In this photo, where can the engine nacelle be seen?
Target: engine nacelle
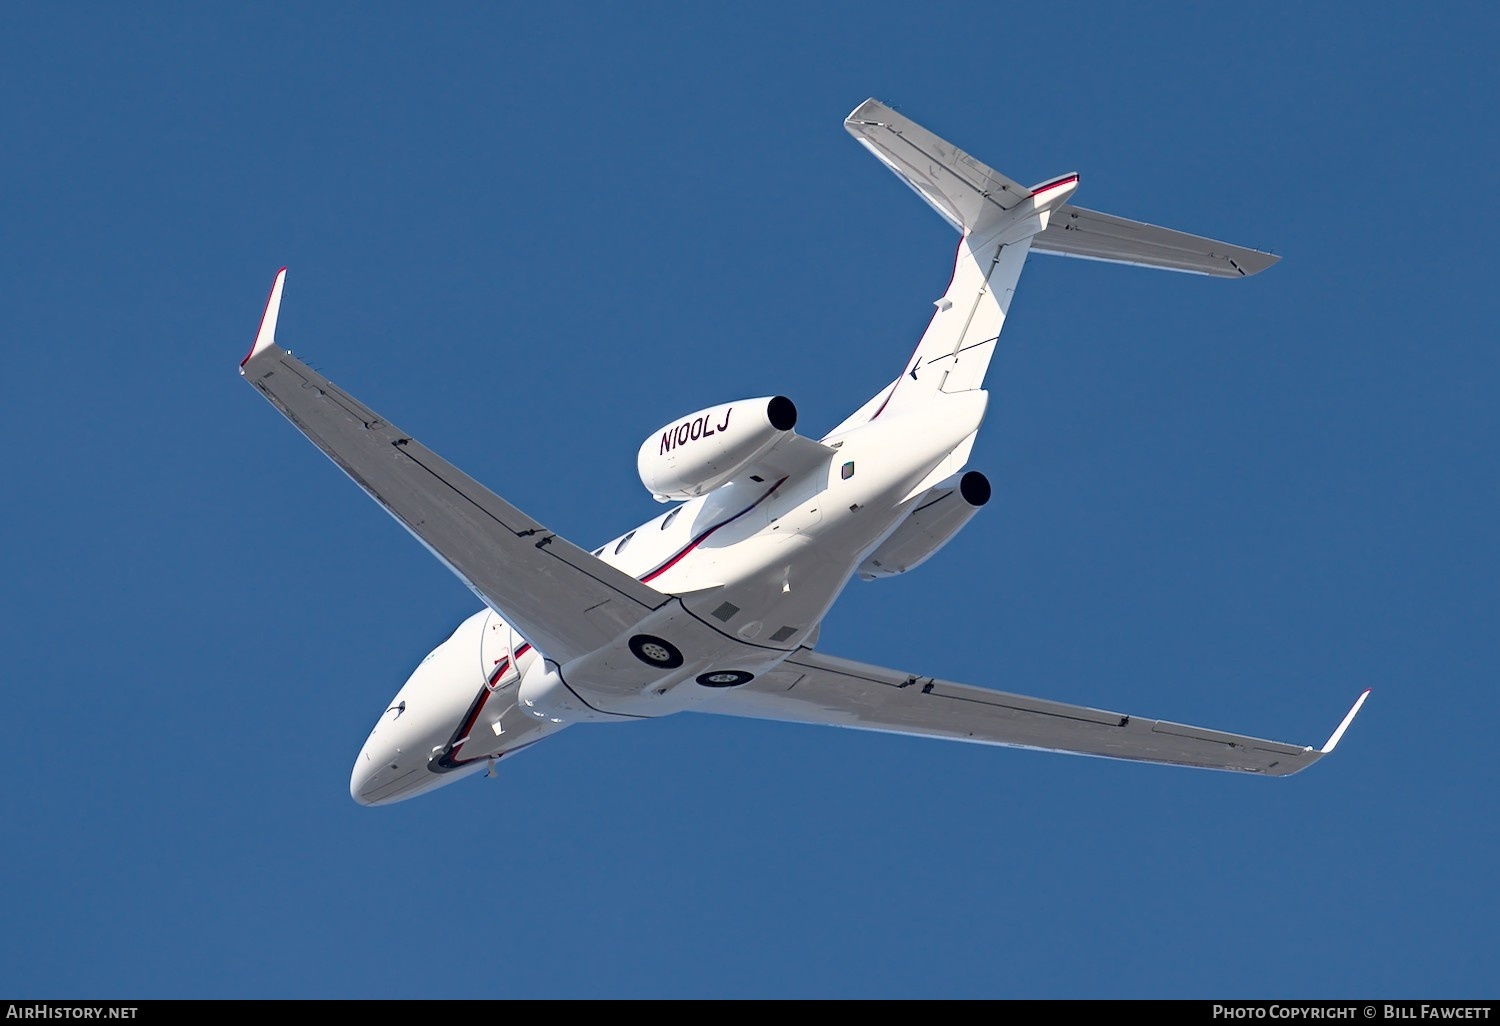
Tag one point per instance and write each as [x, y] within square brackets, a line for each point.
[929, 527]
[693, 456]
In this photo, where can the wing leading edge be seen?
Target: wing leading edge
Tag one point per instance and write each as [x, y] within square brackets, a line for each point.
[813, 688]
[563, 600]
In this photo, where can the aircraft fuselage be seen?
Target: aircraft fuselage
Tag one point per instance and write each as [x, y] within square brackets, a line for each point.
[754, 566]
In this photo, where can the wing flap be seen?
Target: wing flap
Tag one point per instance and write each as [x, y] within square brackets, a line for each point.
[811, 687]
[563, 600]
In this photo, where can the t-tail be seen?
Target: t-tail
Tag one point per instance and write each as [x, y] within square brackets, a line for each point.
[1001, 222]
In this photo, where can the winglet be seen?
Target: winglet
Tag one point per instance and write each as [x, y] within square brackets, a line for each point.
[267, 334]
[1347, 720]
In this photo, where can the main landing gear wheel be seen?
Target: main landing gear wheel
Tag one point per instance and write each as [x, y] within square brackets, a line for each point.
[725, 678]
[657, 652]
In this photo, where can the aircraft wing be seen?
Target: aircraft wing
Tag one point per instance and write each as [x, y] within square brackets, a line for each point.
[813, 688]
[563, 600]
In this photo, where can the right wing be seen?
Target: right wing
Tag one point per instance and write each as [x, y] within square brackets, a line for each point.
[563, 600]
[813, 688]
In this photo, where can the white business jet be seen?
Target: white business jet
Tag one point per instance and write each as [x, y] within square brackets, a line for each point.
[714, 606]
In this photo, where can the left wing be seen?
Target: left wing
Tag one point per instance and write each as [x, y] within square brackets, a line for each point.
[563, 600]
[813, 688]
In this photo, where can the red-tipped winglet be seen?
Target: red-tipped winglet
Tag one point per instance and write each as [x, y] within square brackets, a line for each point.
[1347, 720]
[267, 334]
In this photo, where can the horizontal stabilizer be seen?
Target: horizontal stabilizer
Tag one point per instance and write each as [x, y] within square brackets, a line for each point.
[971, 195]
[960, 188]
[1076, 232]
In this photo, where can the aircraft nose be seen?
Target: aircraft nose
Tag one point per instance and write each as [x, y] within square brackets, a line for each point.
[384, 773]
[362, 783]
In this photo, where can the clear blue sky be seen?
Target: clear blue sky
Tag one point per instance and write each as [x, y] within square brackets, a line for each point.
[529, 234]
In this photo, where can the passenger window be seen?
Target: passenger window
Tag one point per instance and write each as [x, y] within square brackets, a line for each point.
[624, 542]
[670, 517]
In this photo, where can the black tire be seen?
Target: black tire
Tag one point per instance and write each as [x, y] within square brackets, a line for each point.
[725, 678]
[657, 652]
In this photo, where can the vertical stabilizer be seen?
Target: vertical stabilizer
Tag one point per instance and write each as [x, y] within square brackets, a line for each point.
[997, 217]
[1001, 221]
